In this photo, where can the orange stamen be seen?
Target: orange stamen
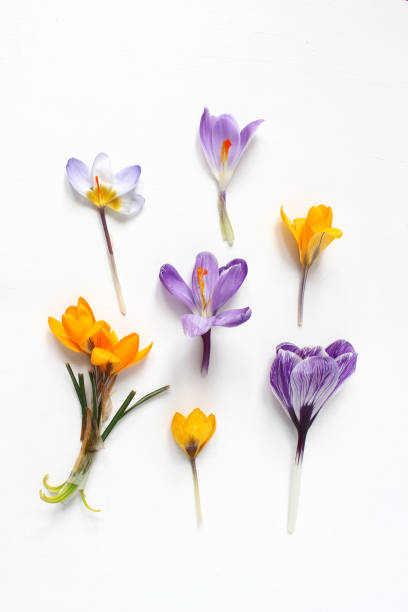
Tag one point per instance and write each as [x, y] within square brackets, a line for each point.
[200, 273]
[99, 189]
[224, 150]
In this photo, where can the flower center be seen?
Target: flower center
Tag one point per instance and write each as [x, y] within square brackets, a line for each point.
[225, 150]
[200, 273]
[101, 195]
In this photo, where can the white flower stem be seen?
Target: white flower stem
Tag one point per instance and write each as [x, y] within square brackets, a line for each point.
[294, 495]
[112, 262]
[197, 492]
[226, 227]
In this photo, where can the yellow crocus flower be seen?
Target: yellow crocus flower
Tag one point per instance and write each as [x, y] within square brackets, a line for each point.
[192, 433]
[312, 234]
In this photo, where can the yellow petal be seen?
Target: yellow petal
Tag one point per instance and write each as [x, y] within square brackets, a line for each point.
[58, 330]
[101, 357]
[319, 218]
[177, 428]
[87, 341]
[127, 348]
[74, 329]
[116, 204]
[83, 302]
[319, 242]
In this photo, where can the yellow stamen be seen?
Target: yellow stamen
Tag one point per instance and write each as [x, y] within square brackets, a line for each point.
[86, 503]
[225, 150]
[200, 273]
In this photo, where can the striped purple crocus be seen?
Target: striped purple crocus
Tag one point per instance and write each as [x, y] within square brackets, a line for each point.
[223, 145]
[211, 288]
[303, 379]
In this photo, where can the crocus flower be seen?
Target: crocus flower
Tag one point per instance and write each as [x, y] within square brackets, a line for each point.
[79, 331]
[312, 235]
[211, 288]
[105, 189]
[303, 379]
[192, 434]
[223, 145]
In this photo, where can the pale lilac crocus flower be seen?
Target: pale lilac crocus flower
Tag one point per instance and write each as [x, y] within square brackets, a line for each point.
[211, 288]
[223, 145]
[303, 379]
[104, 189]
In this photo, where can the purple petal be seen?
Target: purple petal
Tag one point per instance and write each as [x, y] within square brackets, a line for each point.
[347, 365]
[207, 262]
[175, 285]
[287, 346]
[125, 180]
[281, 369]
[247, 133]
[102, 168]
[311, 351]
[231, 278]
[225, 128]
[206, 127]
[232, 318]
[194, 325]
[79, 176]
[312, 382]
[339, 347]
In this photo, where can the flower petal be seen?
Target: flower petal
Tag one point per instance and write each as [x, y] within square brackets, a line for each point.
[129, 204]
[126, 350]
[231, 278]
[281, 370]
[172, 281]
[247, 133]
[347, 365]
[194, 325]
[287, 346]
[206, 127]
[225, 128]
[232, 318]
[312, 382]
[311, 351]
[125, 180]
[339, 347]
[209, 265]
[79, 176]
[319, 242]
[59, 332]
[102, 168]
[101, 357]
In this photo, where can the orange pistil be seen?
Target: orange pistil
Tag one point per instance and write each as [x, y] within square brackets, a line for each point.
[99, 189]
[200, 273]
[225, 150]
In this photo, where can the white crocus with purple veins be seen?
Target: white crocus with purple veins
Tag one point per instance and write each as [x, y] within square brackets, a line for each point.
[211, 288]
[223, 145]
[104, 188]
[303, 379]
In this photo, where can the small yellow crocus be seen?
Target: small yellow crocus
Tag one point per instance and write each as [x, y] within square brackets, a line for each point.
[313, 234]
[192, 433]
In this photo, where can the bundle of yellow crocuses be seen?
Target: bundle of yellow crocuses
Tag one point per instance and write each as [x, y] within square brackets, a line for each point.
[79, 331]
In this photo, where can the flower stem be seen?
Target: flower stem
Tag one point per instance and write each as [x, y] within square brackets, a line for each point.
[206, 352]
[294, 494]
[302, 294]
[112, 261]
[197, 492]
[226, 227]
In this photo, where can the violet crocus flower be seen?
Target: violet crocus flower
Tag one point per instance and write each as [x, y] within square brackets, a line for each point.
[223, 145]
[303, 379]
[211, 288]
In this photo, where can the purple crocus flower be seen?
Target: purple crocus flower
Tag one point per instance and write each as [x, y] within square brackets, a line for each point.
[223, 145]
[211, 288]
[303, 379]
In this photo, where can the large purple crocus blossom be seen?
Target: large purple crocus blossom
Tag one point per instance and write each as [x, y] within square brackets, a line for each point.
[223, 145]
[211, 288]
[303, 379]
